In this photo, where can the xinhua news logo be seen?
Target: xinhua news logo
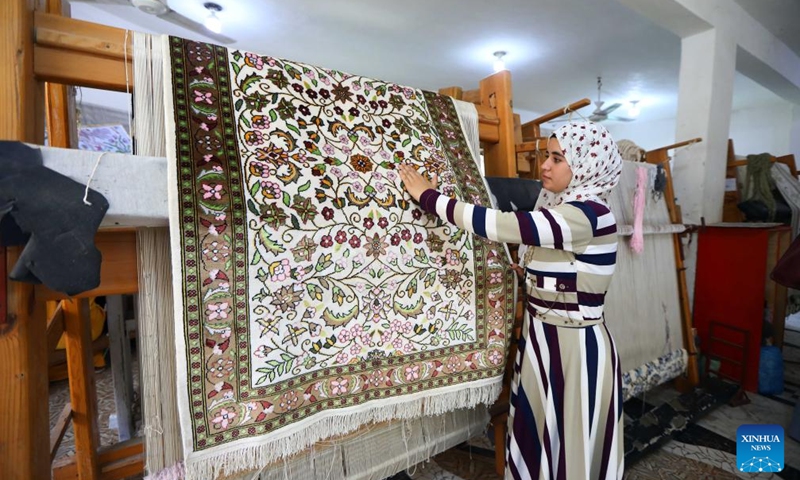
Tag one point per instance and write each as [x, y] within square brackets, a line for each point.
[759, 448]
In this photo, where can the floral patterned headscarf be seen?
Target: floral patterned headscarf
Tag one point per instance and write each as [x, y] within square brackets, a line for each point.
[594, 159]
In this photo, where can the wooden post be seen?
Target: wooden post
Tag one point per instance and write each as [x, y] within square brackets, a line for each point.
[24, 434]
[82, 392]
[60, 102]
[730, 211]
[455, 92]
[500, 158]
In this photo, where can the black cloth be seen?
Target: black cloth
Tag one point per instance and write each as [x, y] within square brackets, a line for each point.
[757, 211]
[44, 211]
[514, 194]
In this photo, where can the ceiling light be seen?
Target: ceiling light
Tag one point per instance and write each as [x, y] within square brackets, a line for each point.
[499, 64]
[212, 22]
[633, 111]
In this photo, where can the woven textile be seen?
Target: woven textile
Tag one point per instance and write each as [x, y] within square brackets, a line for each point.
[312, 295]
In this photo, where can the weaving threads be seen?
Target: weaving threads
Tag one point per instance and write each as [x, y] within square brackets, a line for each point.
[155, 300]
[127, 80]
[468, 116]
[630, 151]
[789, 187]
[641, 337]
[637, 241]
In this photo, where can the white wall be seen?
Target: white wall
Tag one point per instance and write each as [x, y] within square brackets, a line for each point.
[772, 128]
[648, 135]
[764, 129]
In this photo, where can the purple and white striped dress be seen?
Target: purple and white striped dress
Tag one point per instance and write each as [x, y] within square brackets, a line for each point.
[566, 406]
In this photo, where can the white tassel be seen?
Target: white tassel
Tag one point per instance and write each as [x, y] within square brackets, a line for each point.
[263, 451]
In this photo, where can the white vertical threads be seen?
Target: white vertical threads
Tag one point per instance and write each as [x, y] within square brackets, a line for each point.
[156, 306]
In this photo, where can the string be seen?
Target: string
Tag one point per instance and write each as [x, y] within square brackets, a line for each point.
[333, 462]
[91, 176]
[127, 81]
[157, 429]
[578, 113]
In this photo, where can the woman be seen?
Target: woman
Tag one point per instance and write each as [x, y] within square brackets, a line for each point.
[565, 420]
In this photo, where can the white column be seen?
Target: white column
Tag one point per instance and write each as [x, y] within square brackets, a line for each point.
[708, 65]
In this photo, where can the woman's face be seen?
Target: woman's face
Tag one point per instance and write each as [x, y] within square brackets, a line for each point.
[556, 173]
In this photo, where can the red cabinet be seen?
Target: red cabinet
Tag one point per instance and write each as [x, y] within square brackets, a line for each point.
[731, 287]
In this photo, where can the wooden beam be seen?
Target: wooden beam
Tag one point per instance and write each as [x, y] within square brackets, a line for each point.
[572, 107]
[118, 461]
[496, 93]
[60, 107]
[488, 133]
[57, 362]
[682, 144]
[471, 96]
[59, 32]
[540, 144]
[23, 366]
[55, 328]
[82, 392]
[70, 67]
[118, 272]
[454, 92]
[789, 161]
[59, 429]
[66, 49]
[731, 197]
[487, 115]
[488, 122]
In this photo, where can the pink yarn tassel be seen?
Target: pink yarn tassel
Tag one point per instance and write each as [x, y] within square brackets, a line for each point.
[637, 241]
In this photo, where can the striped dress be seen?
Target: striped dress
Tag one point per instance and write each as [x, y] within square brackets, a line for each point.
[565, 420]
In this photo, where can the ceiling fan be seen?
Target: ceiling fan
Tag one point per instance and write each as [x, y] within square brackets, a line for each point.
[160, 9]
[599, 114]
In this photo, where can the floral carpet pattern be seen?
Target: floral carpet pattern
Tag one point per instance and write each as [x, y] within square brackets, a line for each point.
[106, 138]
[314, 292]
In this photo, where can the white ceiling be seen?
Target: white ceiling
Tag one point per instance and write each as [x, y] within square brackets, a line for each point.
[781, 17]
[556, 48]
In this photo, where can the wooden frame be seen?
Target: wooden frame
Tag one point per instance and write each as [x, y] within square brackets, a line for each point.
[730, 210]
[39, 47]
[660, 157]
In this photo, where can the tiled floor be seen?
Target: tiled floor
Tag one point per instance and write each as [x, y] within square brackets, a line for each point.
[59, 396]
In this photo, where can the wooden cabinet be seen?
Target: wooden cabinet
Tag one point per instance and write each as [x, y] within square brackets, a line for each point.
[732, 287]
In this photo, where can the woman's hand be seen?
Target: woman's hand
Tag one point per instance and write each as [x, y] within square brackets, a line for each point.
[415, 183]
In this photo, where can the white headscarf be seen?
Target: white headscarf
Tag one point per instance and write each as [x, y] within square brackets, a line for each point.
[596, 167]
[595, 162]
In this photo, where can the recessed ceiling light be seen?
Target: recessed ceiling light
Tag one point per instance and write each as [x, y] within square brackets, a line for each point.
[212, 22]
[499, 63]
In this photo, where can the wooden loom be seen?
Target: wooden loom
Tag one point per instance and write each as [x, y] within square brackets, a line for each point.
[39, 47]
[730, 210]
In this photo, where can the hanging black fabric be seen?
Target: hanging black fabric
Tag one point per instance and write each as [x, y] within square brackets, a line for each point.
[514, 194]
[45, 211]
